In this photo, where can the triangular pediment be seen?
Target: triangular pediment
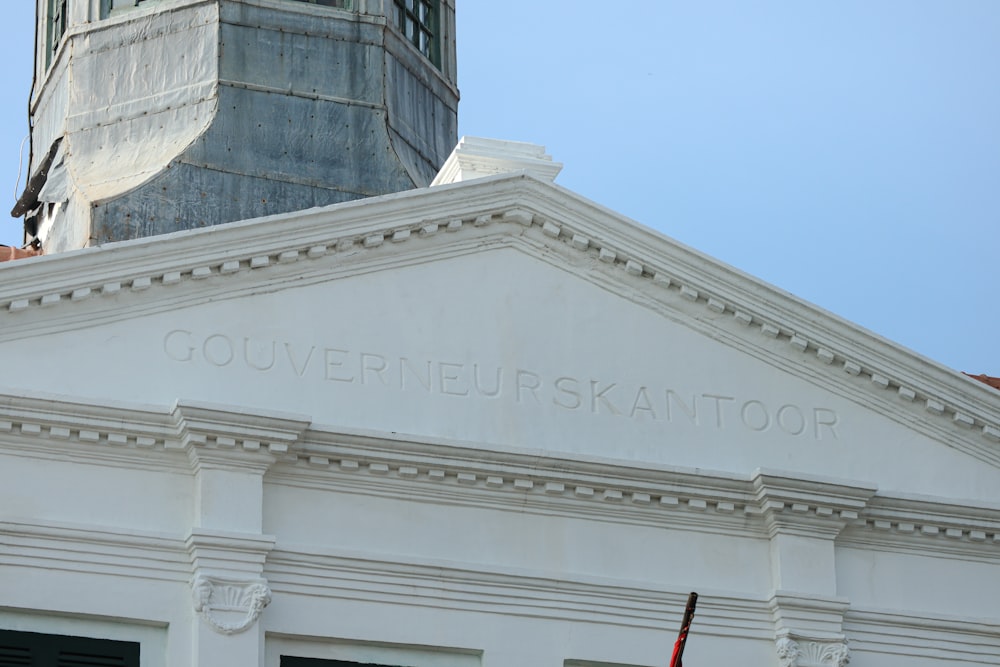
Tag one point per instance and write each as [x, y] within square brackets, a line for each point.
[506, 312]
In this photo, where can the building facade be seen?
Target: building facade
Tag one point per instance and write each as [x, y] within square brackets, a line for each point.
[482, 423]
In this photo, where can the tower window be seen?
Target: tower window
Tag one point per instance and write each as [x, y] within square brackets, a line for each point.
[56, 27]
[418, 21]
[340, 4]
[108, 5]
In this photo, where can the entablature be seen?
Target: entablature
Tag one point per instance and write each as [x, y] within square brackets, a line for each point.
[290, 451]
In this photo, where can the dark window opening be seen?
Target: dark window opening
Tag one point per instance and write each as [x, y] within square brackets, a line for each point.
[290, 661]
[108, 5]
[419, 21]
[33, 649]
[340, 4]
[56, 28]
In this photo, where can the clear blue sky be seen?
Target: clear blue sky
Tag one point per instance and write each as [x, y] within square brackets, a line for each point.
[847, 152]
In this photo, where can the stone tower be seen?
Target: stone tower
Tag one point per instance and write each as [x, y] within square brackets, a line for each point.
[152, 116]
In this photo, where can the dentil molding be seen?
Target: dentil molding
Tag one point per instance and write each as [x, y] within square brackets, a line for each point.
[932, 399]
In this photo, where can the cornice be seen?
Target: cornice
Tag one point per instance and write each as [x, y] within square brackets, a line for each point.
[213, 552]
[804, 506]
[113, 433]
[927, 526]
[293, 569]
[947, 639]
[223, 437]
[296, 453]
[188, 437]
[659, 498]
[80, 288]
[93, 549]
[301, 570]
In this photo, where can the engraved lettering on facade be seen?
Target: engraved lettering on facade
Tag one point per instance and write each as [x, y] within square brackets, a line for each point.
[600, 396]
[408, 368]
[603, 398]
[218, 350]
[452, 382]
[526, 380]
[177, 345]
[373, 365]
[290, 350]
[479, 388]
[567, 393]
[258, 351]
[334, 360]
[791, 420]
[719, 422]
[754, 416]
[691, 412]
[642, 405]
[827, 418]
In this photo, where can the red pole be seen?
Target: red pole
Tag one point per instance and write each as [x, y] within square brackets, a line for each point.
[675, 659]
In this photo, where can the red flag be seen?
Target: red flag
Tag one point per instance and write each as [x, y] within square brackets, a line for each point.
[675, 659]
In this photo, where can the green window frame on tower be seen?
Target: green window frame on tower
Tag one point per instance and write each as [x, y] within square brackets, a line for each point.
[420, 21]
[108, 5]
[339, 4]
[56, 27]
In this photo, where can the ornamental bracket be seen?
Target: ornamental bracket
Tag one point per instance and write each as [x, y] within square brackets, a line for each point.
[230, 606]
[796, 651]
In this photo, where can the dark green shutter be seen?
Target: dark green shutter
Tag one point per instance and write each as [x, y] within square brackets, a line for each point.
[289, 661]
[33, 649]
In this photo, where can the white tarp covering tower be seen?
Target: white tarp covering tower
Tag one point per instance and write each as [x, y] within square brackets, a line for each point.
[154, 116]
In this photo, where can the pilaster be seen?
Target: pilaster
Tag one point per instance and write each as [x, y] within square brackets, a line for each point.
[803, 517]
[229, 453]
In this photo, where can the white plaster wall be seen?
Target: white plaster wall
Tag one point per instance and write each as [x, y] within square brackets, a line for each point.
[49, 599]
[919, 582]
[73, 492]
[338, 350]
[541, 542]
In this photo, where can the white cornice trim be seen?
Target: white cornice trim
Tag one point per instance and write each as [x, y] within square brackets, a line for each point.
[296, 453]
[295, 569]
[302, 570]
[969, 531]
[39, 294]
[947, 639]
[93, 549]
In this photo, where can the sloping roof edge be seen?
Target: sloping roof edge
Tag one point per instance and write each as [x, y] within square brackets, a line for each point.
[847, 351]
[986, 379]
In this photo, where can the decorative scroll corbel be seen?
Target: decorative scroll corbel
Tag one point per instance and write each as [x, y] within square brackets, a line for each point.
[228, 605]
[811, 653]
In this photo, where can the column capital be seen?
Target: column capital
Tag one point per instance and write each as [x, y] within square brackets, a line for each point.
[798, 651]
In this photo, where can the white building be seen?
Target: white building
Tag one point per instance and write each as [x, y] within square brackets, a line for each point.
[483, 423]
